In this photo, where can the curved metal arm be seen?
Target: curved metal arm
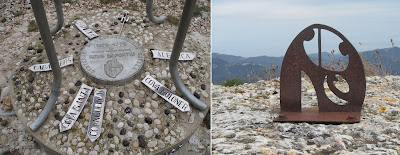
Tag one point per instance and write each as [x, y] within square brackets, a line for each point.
[60, 17]
[173, 62]
[149, 11]
[41, 20]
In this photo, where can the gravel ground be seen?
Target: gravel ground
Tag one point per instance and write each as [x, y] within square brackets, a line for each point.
[242, 121]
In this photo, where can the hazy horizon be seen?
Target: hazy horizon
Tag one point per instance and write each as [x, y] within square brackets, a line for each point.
[266, 28]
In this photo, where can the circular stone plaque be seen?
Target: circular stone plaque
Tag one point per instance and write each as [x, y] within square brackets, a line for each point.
[111, 60]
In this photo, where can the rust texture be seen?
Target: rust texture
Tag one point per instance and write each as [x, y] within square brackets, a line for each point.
[297, 60]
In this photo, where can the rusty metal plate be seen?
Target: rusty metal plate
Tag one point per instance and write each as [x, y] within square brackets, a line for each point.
[313, 115]
[296, 60]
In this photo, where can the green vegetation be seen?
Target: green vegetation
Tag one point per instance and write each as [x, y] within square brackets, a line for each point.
[143, 1]
[107, 1]
[173, 20]
[132, 6]
[197, 10]
[32, 26]
[232, 82]
[66, 1]
[207, 120]
[18, 13]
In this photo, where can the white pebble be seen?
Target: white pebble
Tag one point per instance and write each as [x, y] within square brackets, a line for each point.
[154, 104]
[148, 133]
[120, 125]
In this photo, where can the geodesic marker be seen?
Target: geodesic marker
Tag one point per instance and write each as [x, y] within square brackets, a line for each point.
[296, 60]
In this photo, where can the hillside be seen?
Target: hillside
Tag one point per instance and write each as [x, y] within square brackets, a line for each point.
[229, 66]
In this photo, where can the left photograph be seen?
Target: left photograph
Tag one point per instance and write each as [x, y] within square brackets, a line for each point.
[105, 77]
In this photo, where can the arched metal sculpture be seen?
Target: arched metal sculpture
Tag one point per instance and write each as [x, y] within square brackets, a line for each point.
[41, 20]
[149, 12]
[296, 60]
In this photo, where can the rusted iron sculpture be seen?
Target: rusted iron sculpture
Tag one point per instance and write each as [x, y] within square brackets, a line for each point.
[297, 60]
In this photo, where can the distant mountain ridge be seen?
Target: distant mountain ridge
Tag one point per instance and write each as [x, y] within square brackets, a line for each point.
[228, 66]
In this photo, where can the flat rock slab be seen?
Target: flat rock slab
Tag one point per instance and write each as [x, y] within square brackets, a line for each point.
[129, 107]
[243, 121]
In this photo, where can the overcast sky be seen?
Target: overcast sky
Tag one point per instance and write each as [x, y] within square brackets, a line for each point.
[267, 27]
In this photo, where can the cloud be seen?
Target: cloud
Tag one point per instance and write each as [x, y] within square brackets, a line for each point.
[290, 9]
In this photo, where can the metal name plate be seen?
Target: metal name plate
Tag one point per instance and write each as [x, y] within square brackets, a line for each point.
[47, 66]
[111, 60]
[96, 115]
[76, 108]
[85, 29]
[166, 94]
[167, 55]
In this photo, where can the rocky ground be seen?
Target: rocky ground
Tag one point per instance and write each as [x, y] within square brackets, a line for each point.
[242, 121]
[15, 38]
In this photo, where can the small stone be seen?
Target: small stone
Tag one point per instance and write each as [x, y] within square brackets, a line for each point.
[158, 136]
[148, 111]
[142, 142]
[191, 119]
[39, 50]
[69, 151]
[128, 110]
[152, 144]
[78, 83]
[197, 95]
[71, 91]
[203, 86]
[157, 121]
[128, 101]
[129, 123]
[154, 104]
[123, 131]
[77, 35]
[125, 143]
[135, 144]
[193, 75]
[148, 133]
[120, 125]
[80, 144]
[31, 79]
[120, 101]
[161, 144]
[110, 135]
[115, 120]
[148, 120]
[121, 94]
[30, 89]
[167, 111]
[132, 95]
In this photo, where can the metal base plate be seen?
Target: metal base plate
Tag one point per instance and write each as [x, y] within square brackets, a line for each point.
[312, 115]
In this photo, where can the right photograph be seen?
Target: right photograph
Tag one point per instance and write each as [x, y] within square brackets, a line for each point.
[305, 77]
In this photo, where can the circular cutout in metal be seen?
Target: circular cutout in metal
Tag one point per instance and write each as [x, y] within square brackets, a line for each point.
[111, 60]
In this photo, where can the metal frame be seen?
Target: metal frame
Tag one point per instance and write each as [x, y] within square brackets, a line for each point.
[149, 12]
[41, 20]
[60, 17]
[176, 51]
